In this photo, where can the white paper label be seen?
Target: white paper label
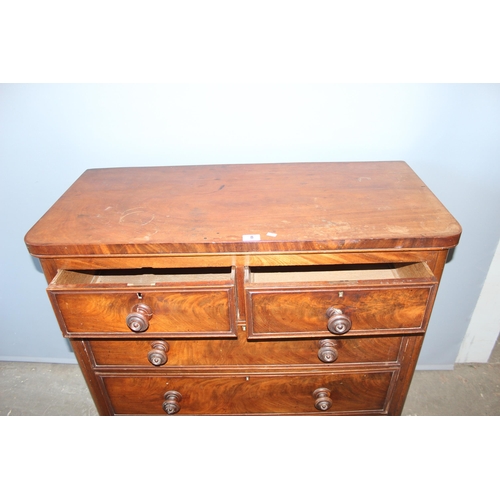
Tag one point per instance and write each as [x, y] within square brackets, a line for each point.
[251, 237]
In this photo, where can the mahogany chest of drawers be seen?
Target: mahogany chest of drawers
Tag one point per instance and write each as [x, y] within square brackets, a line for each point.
[284, 289]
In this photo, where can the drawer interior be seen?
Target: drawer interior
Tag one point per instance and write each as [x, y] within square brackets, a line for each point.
[144, 276]
[336, 273]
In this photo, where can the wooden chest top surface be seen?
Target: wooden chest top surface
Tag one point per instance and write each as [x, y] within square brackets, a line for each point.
[244, 208]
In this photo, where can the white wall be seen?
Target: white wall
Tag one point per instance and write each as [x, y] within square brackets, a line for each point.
[484, 326]
[449, 134]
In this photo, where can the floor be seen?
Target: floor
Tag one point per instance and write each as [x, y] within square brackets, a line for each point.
[35, 389]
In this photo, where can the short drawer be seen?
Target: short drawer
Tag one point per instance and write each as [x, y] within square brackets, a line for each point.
[324, 304]
[119, 305]
[238, 394]
[163, 354]
[289, 313]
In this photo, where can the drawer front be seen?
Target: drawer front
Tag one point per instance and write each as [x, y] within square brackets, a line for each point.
[346, 393]
[370, 311]
[162, 355]
[201, 312]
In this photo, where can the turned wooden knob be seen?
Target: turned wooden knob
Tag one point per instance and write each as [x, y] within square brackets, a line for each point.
[323, 401]
[138, 319]
[327, 352]
[171, 403]
[158, 354]
[338, 323]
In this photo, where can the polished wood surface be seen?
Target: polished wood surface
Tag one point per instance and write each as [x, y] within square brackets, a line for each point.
[292, 313]
[291, 207]
[274, 289]
[238, 394]
[240, 352]
[186, 313]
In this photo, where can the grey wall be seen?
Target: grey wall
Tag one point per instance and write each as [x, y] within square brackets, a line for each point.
[449, 134]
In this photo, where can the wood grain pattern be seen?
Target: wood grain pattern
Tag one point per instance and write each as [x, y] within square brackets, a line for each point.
[239, 352]
[191, 313]
[243, 394]
[247, 259]
[309, 206]
[292, 313]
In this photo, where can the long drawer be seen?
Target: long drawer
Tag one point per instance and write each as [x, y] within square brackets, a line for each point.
[91, 304]
[163, 354]
[237, 394]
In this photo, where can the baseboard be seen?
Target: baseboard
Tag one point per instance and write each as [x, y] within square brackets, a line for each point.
[434, 367]
[21, 359]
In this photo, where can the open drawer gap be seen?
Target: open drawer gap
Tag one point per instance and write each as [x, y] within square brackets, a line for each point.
[144, 276]
[336, 273]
